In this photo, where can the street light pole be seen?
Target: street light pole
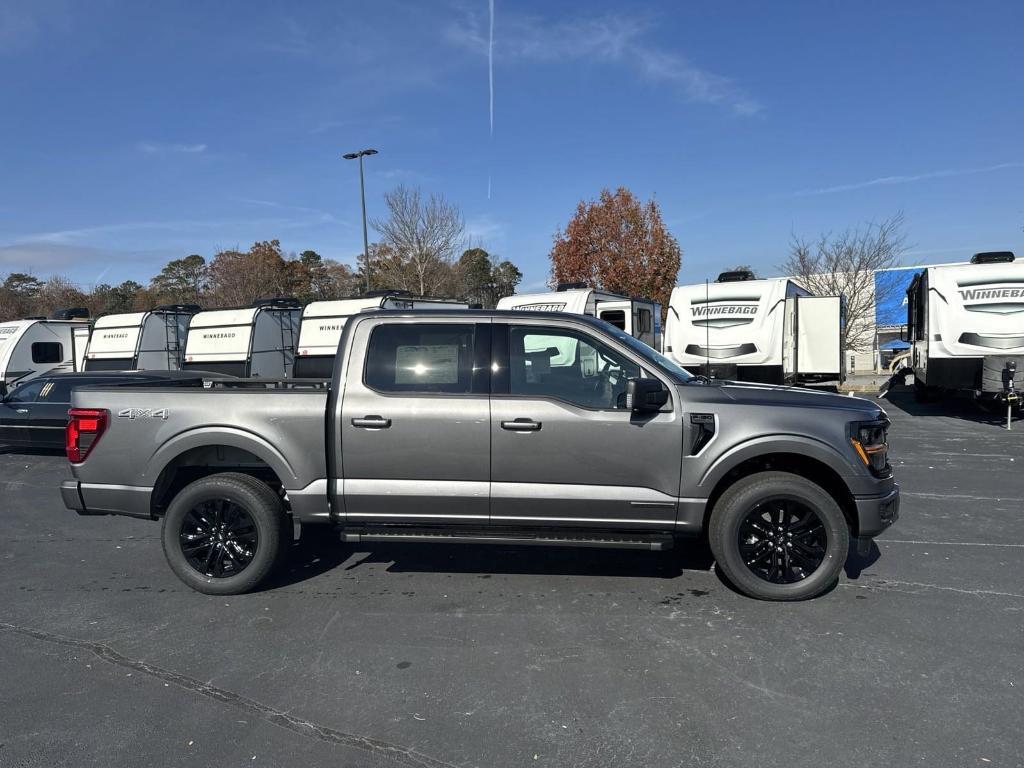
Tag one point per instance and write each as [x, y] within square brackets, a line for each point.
[362, 198]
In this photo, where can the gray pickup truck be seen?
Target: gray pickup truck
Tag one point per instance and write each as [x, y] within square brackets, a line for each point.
[490, 427]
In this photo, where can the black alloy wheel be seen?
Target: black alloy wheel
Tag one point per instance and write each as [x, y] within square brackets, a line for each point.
[218, 538]
[782, 540]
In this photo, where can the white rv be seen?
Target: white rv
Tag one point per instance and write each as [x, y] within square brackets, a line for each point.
[257, 341]
[640, 318]
[323, 321]
[966, 324]
[140, 341]
[771, 331]
[37, 345]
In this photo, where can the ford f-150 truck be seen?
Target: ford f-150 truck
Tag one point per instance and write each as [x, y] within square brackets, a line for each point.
[489, 426]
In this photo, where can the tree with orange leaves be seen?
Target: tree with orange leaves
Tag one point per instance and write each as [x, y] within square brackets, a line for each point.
[618, 244]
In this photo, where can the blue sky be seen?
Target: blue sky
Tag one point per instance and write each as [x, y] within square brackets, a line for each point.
[135, 132]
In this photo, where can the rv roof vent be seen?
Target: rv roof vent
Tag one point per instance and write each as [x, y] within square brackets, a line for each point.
[736, 276]
[193, 308]
[73, 313]
[571, 286]
[378, 292]
[277, 301]
[992, 257]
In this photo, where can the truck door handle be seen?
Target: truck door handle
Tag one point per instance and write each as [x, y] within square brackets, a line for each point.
[21, 410]
[521, 425]
[372, 422]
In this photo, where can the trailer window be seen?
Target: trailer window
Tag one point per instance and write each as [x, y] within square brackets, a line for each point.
[616, 317]
[644, 321]
[427, 359]
[47, 352]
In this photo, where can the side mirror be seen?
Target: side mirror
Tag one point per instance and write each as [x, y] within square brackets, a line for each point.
[645, 395]
[3, 390]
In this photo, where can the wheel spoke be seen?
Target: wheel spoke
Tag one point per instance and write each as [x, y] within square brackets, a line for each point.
[782, 540]
[218, 538]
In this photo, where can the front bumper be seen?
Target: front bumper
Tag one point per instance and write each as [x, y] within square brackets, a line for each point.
[876, 513]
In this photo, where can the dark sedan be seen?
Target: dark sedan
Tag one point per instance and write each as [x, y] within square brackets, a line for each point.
[34, 414]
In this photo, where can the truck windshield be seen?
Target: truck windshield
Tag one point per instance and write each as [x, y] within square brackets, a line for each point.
[667, 365]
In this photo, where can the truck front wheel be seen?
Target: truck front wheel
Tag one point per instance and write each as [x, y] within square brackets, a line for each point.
[223, 534]
[779, 536]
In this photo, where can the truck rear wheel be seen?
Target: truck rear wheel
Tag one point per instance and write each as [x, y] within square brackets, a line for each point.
[779, 536]
[223, 534]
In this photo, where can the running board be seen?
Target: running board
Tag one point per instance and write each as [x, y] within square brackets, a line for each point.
[604, 541]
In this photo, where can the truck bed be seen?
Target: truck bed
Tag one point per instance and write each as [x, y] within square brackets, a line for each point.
[155, 432]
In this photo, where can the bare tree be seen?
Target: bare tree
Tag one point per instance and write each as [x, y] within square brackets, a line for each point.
[846, 264]
[422, 238]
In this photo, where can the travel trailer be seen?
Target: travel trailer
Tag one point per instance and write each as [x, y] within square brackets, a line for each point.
[966, 326]
[37, 345]
[640, 318]
[323, 321]
[257, 341]
[771, 331]
[140, 341]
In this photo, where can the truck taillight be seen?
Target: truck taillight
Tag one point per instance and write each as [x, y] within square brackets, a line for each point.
[85, 426]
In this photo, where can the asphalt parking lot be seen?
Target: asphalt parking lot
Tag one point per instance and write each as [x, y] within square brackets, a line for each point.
[461, 656]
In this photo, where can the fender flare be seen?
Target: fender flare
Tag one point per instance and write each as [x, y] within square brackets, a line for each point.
[233, 437]
[768, 444]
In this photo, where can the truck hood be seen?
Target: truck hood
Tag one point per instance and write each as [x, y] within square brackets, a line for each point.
[767, 394]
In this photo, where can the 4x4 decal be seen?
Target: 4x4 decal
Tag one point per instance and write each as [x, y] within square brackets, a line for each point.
[142, 413]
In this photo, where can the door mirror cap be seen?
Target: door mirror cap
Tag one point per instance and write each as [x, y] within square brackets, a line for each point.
[645, 395]
[3, 390]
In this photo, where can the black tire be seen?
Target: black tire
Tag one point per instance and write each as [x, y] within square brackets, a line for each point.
[736, 535]
[241, 501]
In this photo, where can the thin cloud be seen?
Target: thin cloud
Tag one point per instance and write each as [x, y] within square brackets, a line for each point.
[312, 218]
[323, 215]
[161, 148]
[484, 229]
[885, 181]
[623, 40]
[24, 22]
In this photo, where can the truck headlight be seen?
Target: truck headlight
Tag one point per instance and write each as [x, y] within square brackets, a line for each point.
[869, 440]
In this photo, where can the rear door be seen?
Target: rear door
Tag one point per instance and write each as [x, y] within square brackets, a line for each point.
[49, 413]
[414, 424]
[16, 410]
[565, 449]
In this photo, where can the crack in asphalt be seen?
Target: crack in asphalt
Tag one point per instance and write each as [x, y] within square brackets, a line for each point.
[307, 728]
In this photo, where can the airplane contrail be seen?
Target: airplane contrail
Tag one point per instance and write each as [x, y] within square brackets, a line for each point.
[490, 83]
[490, 65]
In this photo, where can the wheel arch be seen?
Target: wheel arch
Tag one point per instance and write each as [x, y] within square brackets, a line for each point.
[199, 454]
[811, 465]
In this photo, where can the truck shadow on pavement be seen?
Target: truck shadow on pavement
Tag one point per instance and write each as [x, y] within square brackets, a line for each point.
[313, 556]
[901, 398]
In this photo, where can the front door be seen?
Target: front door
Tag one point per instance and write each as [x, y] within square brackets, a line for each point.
[414, 427]
[15, 411]
[565, 449]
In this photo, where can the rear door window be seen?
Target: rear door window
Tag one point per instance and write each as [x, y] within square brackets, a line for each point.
[420, 358]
